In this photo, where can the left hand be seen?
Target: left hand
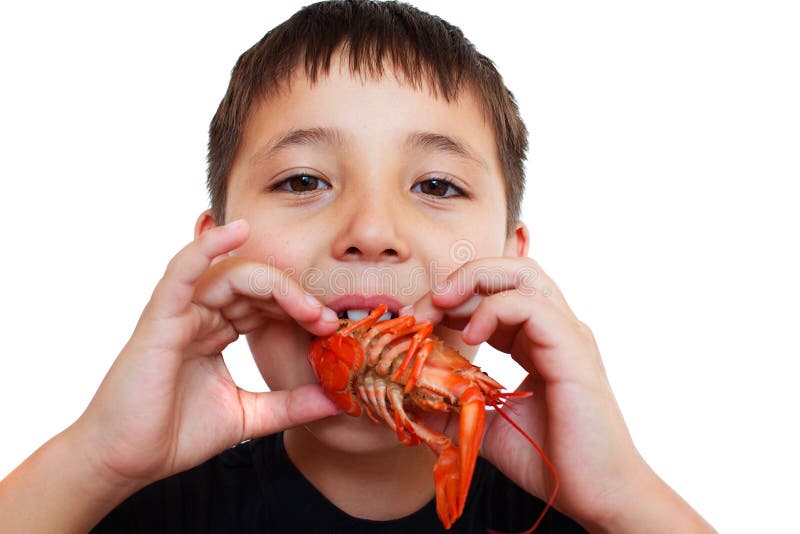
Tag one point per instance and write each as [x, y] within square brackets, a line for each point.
[515, 307]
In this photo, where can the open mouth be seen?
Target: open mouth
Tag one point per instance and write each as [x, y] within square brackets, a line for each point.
[357, 315]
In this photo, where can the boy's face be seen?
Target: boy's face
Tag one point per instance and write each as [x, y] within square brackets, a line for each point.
[364, 188]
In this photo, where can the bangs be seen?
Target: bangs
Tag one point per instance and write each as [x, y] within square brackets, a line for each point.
[372, 38]
[421, 50]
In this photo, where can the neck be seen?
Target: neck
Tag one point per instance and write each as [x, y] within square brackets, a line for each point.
[402, 476]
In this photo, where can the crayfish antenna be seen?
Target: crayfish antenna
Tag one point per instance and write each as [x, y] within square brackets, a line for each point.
[505, 396]
[546, 460]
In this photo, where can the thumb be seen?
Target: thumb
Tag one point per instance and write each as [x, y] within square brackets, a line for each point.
[274, 411]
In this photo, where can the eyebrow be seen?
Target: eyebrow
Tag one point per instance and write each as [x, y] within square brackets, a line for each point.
[301, 137]
[443, 143]
[333, 137]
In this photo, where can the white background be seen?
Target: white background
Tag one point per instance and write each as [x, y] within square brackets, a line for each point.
[662, 197]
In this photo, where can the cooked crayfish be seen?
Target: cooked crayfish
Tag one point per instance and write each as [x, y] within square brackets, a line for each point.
[386, 368]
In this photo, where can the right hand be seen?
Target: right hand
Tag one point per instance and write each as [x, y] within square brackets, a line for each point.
[168, 402]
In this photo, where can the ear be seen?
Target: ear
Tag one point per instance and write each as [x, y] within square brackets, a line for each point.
[517, 243]
[204, 222]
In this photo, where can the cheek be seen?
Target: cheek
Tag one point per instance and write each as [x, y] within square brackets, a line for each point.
[486, 231]
[279, 248]
[460, 249]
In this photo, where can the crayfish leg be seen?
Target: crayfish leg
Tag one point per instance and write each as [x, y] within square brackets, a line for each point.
[422, 356]
[424, 330]
[388, 357]
[364, 394]
[366, 322]
[407, 430]
[385, 332]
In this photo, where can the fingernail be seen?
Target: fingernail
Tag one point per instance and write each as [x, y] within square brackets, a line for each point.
[312, 301]
[407, 310]
[440, 287]
[329, 315]
[334, 409]
[234, 224]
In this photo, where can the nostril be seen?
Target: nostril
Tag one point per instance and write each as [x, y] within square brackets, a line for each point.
[354, 252]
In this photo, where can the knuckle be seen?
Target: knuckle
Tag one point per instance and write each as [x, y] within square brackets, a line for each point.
[584, 330]
[261, 280]
[173, 265]
[527, 274]
[530, 264]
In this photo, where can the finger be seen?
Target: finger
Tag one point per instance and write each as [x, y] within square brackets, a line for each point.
[554, 339]
[511, 309]
[175, 289]
[458, 296]
[275, 411]
[456, 317]
[248, 323]
[487, 276]
[268, 289]
[238, 308]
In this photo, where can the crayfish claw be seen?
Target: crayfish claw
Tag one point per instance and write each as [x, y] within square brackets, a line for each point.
[446, 476]
[453, 470]
[470, 433]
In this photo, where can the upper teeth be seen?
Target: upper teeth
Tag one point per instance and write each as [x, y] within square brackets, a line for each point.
[357, 315]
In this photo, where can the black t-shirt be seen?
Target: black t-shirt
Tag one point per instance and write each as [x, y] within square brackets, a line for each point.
[254, 487]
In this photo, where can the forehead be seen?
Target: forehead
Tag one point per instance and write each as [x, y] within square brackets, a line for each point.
[371, 112]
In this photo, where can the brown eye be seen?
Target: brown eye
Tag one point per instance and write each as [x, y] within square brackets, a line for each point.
[302, 183]
[438, 188]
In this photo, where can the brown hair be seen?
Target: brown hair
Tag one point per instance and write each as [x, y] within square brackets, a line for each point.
[421, 47]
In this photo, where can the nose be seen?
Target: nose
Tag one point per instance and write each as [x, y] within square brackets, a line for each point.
[371, 231]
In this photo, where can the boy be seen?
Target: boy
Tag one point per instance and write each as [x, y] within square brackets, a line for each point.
[355, 138]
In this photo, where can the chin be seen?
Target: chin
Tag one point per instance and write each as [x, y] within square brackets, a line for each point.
[354, 435]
